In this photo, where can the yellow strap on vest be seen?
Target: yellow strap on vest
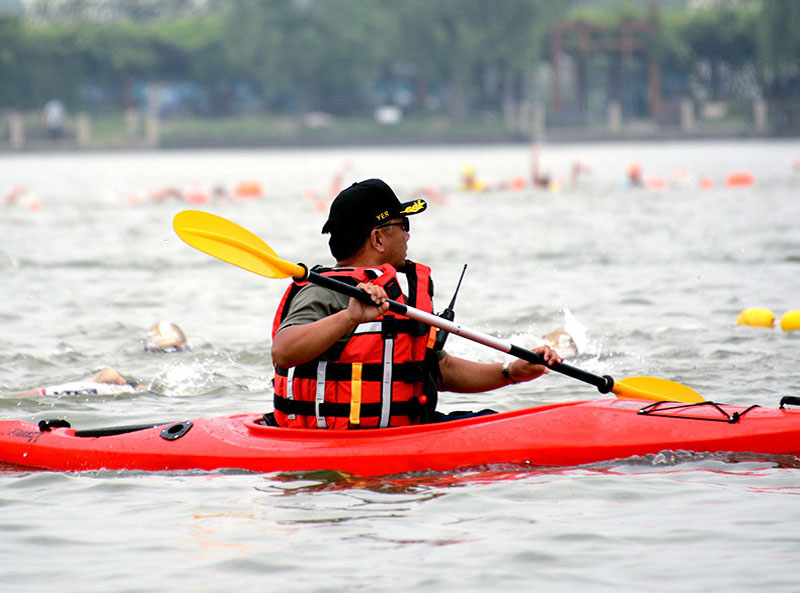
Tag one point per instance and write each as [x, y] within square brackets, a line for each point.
[355, 394]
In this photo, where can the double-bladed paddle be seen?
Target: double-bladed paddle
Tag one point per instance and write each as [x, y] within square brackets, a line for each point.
[234, 244]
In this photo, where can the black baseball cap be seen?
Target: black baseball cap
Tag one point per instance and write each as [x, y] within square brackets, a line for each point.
[365, 205]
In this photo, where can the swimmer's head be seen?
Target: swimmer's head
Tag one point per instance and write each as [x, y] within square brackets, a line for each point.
[560, 341]
[165, 336]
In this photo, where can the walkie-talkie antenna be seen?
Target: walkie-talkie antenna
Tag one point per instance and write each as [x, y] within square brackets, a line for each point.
[449, 314]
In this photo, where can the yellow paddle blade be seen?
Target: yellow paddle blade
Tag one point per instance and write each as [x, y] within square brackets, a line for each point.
[655, 389]
[229, 242]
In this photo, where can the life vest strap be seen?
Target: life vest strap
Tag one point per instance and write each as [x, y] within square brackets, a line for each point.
[355, 397]
[393, 326]
[319, 395]
[386, 381]
[407, 372]
[290, 388]
[411, 408]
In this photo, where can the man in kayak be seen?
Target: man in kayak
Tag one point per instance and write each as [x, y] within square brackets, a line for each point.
[340, 363]
[163, 337]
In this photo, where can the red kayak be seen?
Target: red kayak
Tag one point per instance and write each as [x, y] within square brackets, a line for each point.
[566, 434]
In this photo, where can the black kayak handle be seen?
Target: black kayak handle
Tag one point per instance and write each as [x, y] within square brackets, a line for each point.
[791, 400]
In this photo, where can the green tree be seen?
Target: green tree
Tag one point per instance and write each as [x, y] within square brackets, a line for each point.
[723, 40]
[193, 49]
[307, 55]
[255, 39]
[779, 46]
[12, 56]
[467, 45]
[338, 52]
[115, 55]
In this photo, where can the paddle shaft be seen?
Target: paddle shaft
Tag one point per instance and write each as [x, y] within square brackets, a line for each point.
[604, 384]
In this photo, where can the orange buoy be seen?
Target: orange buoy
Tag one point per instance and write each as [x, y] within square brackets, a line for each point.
[516, 183]
[706, 183]
[740, 178]
[196, 195]
[248, 190]
[655, 183]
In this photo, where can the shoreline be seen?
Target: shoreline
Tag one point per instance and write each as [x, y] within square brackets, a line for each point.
[400, 140]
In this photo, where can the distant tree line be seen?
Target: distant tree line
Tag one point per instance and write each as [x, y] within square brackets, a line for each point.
[347, 56]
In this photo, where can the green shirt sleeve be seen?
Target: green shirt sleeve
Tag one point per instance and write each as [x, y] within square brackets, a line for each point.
[313, 303]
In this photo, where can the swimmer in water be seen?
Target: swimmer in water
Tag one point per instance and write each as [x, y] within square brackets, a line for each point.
[635, 175]
[561, 341]
[163, 337]
[470, 181]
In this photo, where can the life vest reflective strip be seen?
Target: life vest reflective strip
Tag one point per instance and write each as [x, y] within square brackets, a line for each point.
[376, 378]
[386, 384]
[290, 389]
[355, 396]
[320, 393]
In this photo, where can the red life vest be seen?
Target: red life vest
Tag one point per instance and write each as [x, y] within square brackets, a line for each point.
[377, 378]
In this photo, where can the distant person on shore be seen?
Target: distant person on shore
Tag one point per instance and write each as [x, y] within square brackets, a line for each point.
[163, 337]
[54, 115]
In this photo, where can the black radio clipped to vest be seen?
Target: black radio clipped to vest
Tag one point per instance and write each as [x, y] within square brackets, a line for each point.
[449, 314]
[393, 290]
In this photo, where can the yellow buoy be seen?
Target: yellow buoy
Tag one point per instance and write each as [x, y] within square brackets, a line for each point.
[757, 317]
[790, 320]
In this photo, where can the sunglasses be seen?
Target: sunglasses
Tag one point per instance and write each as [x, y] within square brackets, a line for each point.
[403, 223]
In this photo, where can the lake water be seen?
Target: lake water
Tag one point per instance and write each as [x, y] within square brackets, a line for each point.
[648, 281]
